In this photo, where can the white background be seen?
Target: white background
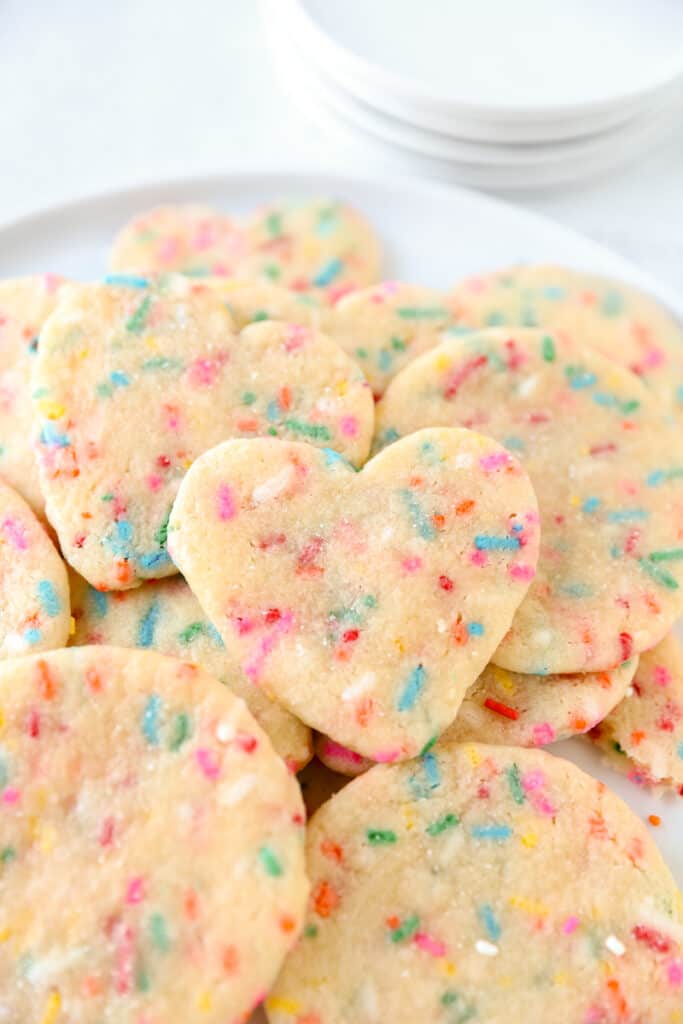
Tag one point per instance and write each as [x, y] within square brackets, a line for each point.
[103, 95]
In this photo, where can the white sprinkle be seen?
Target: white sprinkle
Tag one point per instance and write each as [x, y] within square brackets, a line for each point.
[543, 637]
[273, 486]
[387, 533]
[528, 386]
[486, 948]
[615, 946]
[441, 625]
[363, 683]
[14, 643]
[233, 794]
[225, 731]
[463, 460]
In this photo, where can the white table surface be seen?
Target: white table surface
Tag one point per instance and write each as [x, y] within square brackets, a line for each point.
[98, 96]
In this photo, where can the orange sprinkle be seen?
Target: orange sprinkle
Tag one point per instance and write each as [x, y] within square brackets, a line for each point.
[459, 632]
[579, 724]
[122, 570]
[287, 924]
[654, 819]
[439, 520]
[331, 850]
[285, 398]
[325, 899]
[93, 680]
[638, 736]
[247, 425]
[47, 686]
[190, 905]
[464, 507]
[230, 959]
[92, 986]
[364, 710]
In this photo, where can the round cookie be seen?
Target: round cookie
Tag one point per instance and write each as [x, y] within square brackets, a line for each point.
[34, 590]
[644, 733]
[165, 616]
[133, 383]
[320, 246]
[608, 472]
[142, 785]
[359, 601]
[191, 239]
[488, 884]
[614, 318]
[515, 710]
[386, 326]
[250, 302]
[25, 304]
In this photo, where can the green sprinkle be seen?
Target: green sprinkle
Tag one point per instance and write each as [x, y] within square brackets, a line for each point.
[362, 353]
[272, 271]
[270, 862]
[515, 784]
[182, 730]
[370, 601]
[136, 323]
[107, 497]
[272, 431]
[659, 575]
[159, 933]
[406, 930]
[398, 344]
[316, 431]
[617, 747]
[670, 555]
[190, 632]
[161, 363]
[142, 982]
[311, 931]
[421, 312]
[161, 536]
[259, 316]
[380, 836]
[548, 349]
[248, 398]
[428, 746]
[7, 854]
[274, 224]
[442, 825]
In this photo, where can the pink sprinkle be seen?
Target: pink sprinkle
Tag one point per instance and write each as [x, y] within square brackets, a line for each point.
[675, 972]
[496, 460]
[349, 426]
[135, 893]
[519, 571]
[205, 236]
[203, 372]
[11, 796]
[570, 925]
[428, 944]
[208, 762]
[533, 780]
[168, 250]
[51, 282]
[543, 733]
[154, 482]
[479, 558]
[661, 675]
[476, 285]
[226, 503]
[296, 337]
[16, 533]
[386, 756]
[333, 749]
[412, 564]
[254, 666]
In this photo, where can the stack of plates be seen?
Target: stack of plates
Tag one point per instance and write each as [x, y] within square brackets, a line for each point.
[488, 93]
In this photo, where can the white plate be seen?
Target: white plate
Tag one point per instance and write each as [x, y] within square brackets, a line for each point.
[526, 61]
[433, 234]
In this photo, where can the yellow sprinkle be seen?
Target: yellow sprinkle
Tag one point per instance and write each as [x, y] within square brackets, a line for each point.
[342, 387]
[529, 906]
[530, 839]
[561, 978]
[5, 934]
[187, 463]
[52, 410]
[283, 1004]
[72, 626]
[574, 500]
[505, 981]
[442, 362]
[47, 839]
[504, 680]
[399, 643]
[473, 754]
[151, 342]
[2, 718]
[448, 968]
[83, 354]
[205, 1002]
[52, 1007]
[408, 816]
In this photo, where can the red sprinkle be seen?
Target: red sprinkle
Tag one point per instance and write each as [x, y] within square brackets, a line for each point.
[626, 642]
[652, 938]
[445, 583]
[501, 709]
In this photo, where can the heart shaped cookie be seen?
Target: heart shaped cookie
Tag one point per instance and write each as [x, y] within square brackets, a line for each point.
[366, 604]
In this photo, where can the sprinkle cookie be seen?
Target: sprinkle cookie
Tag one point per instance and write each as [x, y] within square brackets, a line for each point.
[360, 602]
[608, 473]
[644, 733]
[614, 318]
[25, 303]
[249, 302]
[516, 710]
[141, 784]
[166, 617]
[320, 246]
[190, 239]
[135, 379]
[386, 326]
[34, 590]
[484, 884]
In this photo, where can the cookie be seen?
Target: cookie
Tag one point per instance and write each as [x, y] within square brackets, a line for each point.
[320, 246]
[515, 710]
[165, 616]
[608, 472]
[386, 326]
[644, 733]
[190, 239]
[488, 884]
[133, 382]
[614, 318]
[25, 304]
[34, 590]
[360, 601]
[250, 302]
[142, 785]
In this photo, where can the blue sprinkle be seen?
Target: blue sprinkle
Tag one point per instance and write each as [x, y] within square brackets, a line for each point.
[576, 590]
[333, 458]
[213, 633]
[328, 273]
[680, 750]
[50, 435]
[488, 919]
[495, 319]
[119, 379]
[154, 558]
[412, 689]
[497, 832]
[384, 359]
[150, 719]
[49, 599]
[100, 600]
[515, 444]
[655, 478]
[32, 635]
[431, 767]
[475, 629]
[421, 523]
[679, 393]
[582, 379]
[124, 530]
[627, 515]
[273, 411]
[554, 291]
[147, 626]
[591, 504]
[126, 280]
[487, 542]
[612, 304]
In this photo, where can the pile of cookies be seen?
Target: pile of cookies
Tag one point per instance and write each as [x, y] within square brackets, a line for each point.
[421, 535]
